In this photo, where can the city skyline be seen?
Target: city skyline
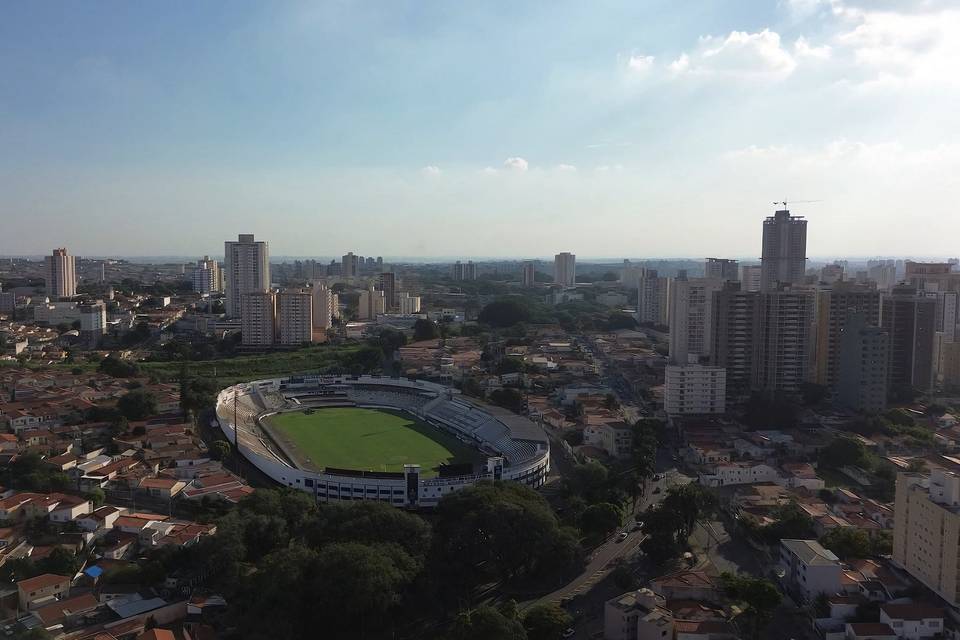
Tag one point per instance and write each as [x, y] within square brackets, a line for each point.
[466, 131]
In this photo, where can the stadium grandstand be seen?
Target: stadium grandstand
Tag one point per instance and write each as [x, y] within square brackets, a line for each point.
[511, 447]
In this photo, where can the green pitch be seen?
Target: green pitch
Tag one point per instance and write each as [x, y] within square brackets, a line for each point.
[369, 440]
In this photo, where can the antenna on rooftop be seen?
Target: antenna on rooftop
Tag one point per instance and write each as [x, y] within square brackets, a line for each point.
[785, 203]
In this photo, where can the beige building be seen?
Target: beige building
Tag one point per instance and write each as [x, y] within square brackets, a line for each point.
[372, 304]
[691, 318]
[926, 530]
[565, 269]
[61, 275]
[695, 390]
[207, 277]
[258, 323]
[294, 317]
[408, 304]
[835, 305]
[326, 306]
[246, 266]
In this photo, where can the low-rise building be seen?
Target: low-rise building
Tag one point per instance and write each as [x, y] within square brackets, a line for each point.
[637, 615]
[913, 621]
[41, 590]
[809, 569]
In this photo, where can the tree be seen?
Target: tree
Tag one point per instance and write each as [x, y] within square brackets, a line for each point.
[600, 519]
[847, 543]
[791, 522]
[370, 523]
[220, 450]
[60, 562]
[96, 497]
[812, 393]
[424, 329]
[759, 597]
[197, 394]
[486, 623]
[138, 404]
[619, 320]
[118, 368]
[504, 313]
[546, 622]
[842, 452]
[508, 398]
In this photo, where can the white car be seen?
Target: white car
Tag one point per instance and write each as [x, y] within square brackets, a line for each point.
[569, 633]
[621, 536]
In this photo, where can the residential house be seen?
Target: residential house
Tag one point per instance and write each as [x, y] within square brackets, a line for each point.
[869, 631]
[913, 621]
[637, 615]
[41, 590]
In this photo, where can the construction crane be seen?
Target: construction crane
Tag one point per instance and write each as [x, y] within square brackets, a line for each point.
[785, 202]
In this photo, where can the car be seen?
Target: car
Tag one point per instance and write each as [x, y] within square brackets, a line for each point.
[622, 536]
[569, 633]
[637, 526]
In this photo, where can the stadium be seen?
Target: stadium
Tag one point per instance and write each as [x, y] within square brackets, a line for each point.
[405, 442]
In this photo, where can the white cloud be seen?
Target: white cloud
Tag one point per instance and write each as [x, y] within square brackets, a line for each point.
[516, 163]
[430, 170]
[740, 54]
[489, 171]
[566, 168]
[640, 64]
[803, 49]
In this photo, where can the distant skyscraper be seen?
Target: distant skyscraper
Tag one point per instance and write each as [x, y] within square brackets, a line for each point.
[388, 284]
[61, 276]
[206, 276]
[691, 318]
[750, 275]
[246, 270]
[722, 268]
[409, 304]
[528, 273]
[784, 255]
[565, 269]
[350, 265]
[294, 317]
[864, 352]
[911, 321]
[461, 271]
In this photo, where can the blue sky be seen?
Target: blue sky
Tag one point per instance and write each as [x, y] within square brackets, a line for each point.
[498, 129]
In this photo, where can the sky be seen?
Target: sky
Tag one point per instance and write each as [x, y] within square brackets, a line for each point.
[614, 128]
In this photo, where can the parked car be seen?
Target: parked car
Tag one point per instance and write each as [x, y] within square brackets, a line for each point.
[622, 536]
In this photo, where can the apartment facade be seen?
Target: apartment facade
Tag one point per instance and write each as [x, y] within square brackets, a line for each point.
[783, 258]
[910, 319]
[258, 322]
[294, 317]
[695, 390]
[206, 277]
[784, 340]
[528, 274]
[326, 306]
[835, 305]
[246, 268]
[691, 319]
[61, 275]
[863, 362]
[565, 269]
[722, 269]
[926, 530]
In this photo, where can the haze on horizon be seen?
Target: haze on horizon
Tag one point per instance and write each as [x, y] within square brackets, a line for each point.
[489, 129]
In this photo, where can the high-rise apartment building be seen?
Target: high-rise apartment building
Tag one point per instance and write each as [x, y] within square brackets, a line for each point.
[294, 317]
[61, 275]
[735, 330]
[93, 323]
[350, 265]
[883, 272]
[246, 266]
[258, 318]
[750, 276]
[783, 259]
[371, 304]
[409, 304]
[461, 271]
[784, 344]
[863, 353]
[835, 304]
[326, 306]
[721, 268]
[695, 390]
[206, 276]
[653, 298]
[831, 273]
[691, 318]
[388, 284]
[565, 269]
[926, 530]
[911, 321]
[932, 276]
[528, 273]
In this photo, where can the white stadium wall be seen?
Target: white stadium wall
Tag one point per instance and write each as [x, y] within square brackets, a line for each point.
[517, 449]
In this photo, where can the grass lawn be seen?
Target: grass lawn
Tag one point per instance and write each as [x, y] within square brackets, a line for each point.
[370, 440]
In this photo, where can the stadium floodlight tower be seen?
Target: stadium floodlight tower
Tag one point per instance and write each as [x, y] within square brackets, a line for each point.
[412, 474]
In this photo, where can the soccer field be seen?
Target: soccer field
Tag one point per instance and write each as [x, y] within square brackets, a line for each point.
[369, 440]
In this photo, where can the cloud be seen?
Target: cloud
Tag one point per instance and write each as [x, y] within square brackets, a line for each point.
[890, 156]
[516, 163]
[431, 170]
[739, 54]
[568, 168]
[803, 49]
[640, 64]
[489, 171]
